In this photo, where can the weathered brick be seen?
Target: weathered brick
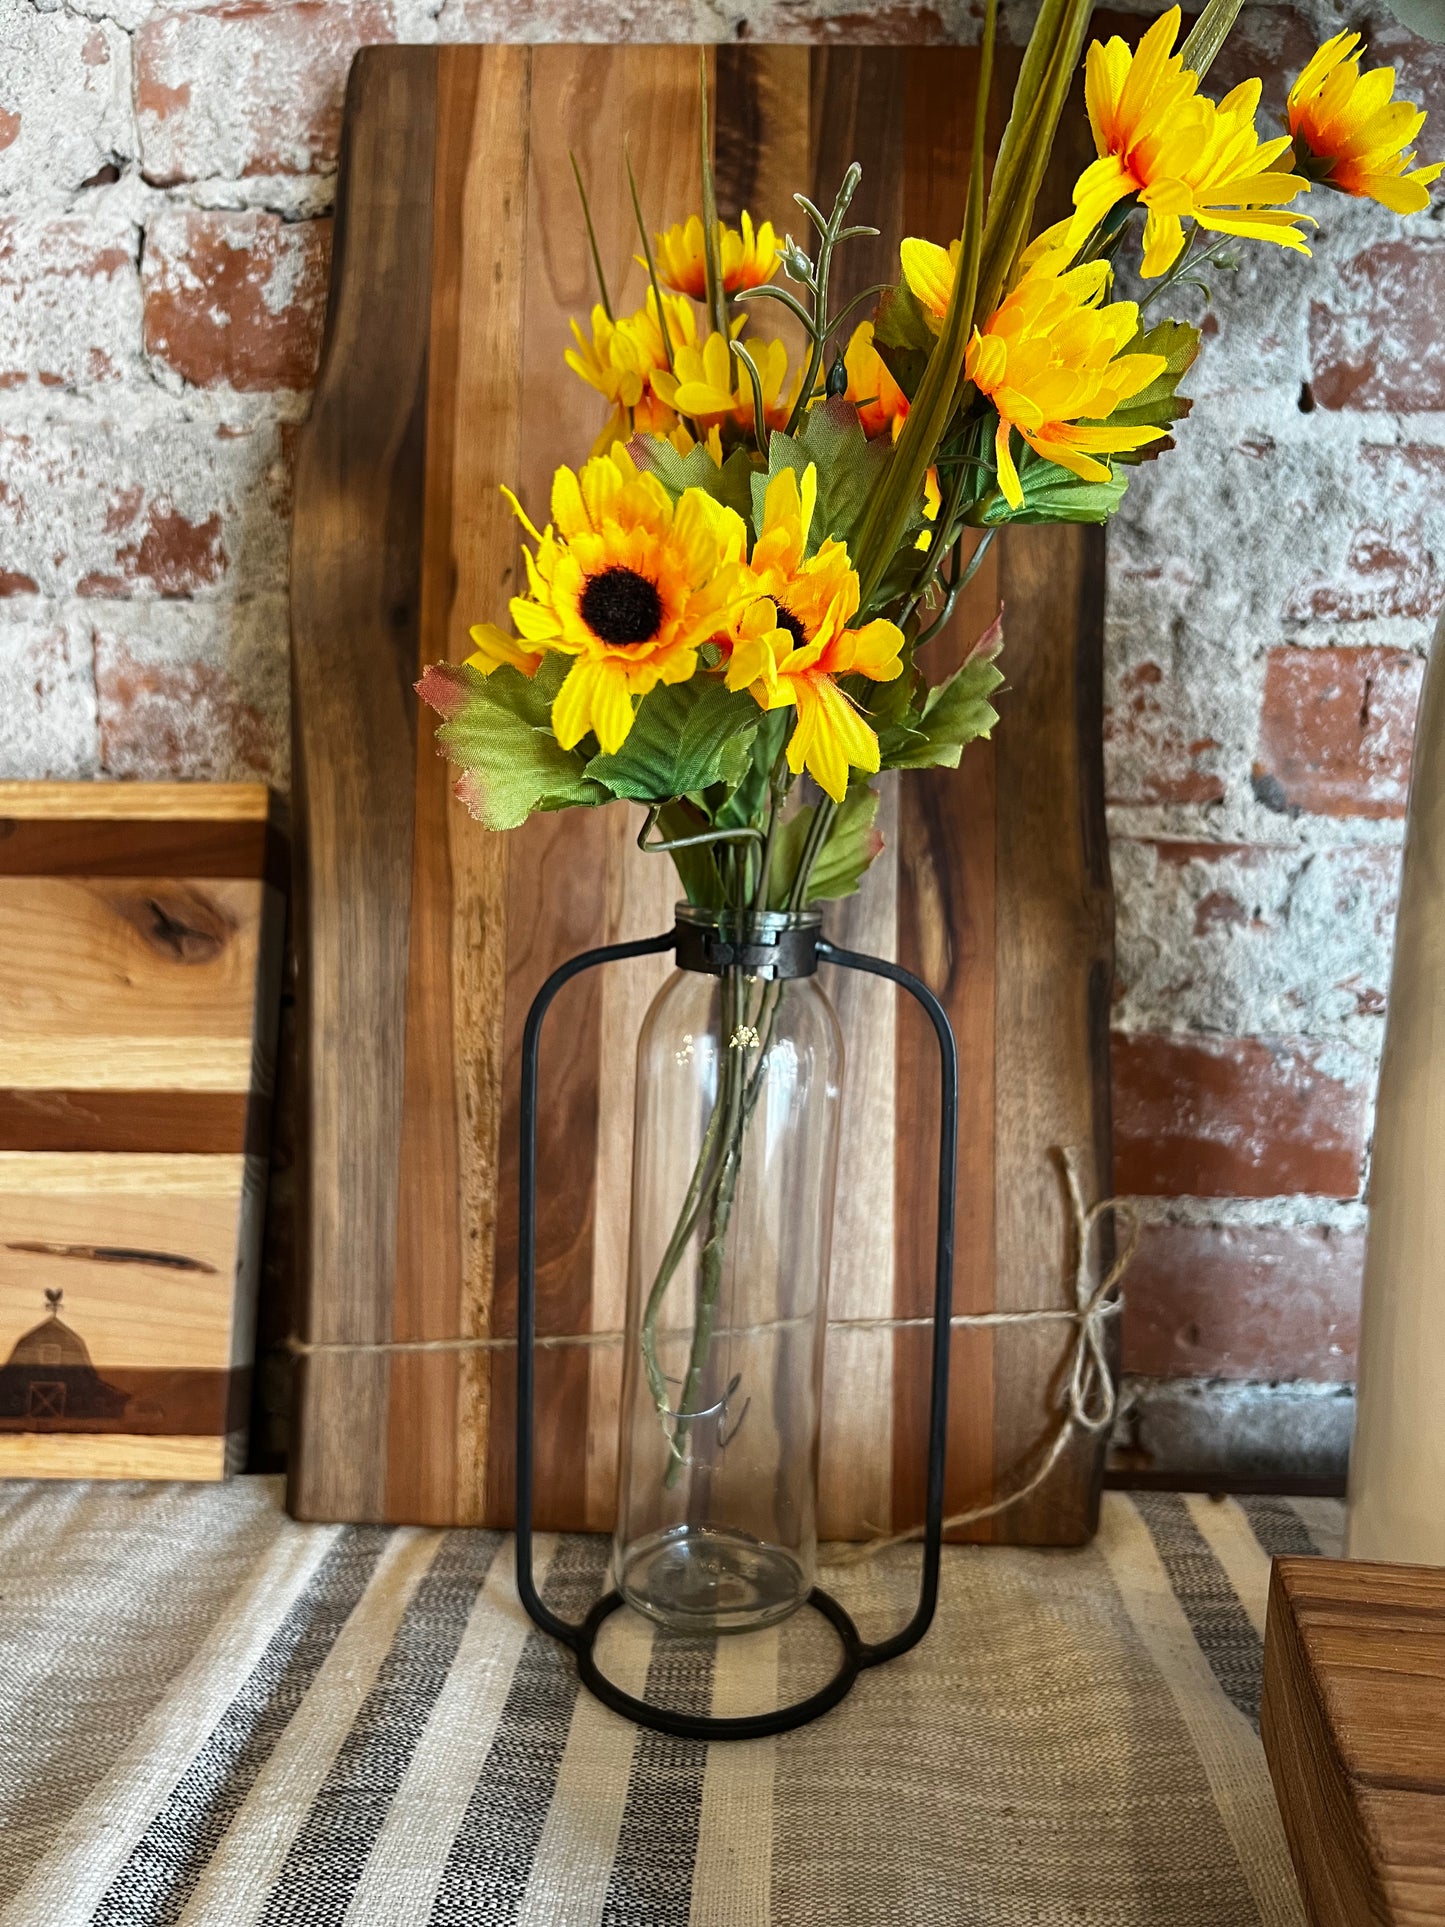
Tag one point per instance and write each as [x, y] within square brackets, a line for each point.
[197, 691]
[901, 22]
[160, 508]
[69, 300]
[231, 91]
[1150, 755]
[47, 694]
[1375, 337]
[1247, 1117]
[1244, 939]
[1392, 564]
[236, 299]
[1244, 1302]
[1336, 731]
[65, 103]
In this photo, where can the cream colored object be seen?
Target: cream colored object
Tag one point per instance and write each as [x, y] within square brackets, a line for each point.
[1397, 1470]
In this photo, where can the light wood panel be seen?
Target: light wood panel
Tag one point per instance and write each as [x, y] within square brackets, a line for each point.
[1353, 1720]
[120, 1455]
[137, 1014]
[137, 802]
[467, 147]
[145, 983]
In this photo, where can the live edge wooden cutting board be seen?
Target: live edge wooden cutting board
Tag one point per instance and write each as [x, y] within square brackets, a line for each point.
[460, 255]
[140, 945]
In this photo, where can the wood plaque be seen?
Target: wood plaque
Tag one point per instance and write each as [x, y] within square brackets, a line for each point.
[140, 949]
[460, 255]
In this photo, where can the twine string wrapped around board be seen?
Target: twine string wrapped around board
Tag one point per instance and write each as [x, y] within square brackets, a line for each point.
[1090, 1394]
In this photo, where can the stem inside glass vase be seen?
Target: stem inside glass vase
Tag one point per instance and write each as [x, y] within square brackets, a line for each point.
[739, 1079]
[749, 1007]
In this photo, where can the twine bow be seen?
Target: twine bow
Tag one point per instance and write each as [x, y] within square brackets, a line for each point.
[1090, 1394]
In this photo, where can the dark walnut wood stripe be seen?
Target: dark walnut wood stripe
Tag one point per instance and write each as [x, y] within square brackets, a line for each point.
[124, 847]
[178, 1402]
[355, 582]
[208, 1123]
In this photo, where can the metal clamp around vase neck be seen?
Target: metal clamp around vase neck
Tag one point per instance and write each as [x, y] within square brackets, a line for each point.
[775, 945]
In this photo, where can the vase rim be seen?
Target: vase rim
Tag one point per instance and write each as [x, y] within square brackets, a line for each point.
[746, 922]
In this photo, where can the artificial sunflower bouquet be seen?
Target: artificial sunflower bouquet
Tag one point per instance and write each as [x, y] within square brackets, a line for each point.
[740, 584]
[727, 617]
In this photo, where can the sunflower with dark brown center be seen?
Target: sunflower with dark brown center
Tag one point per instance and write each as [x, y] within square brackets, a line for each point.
[629, 584]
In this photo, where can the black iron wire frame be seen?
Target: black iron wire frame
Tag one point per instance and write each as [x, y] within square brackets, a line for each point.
[858, 1654]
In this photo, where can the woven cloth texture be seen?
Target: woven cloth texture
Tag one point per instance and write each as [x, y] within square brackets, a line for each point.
[211, 1714]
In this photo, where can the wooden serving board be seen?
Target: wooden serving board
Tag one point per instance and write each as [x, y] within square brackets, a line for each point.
[140, 942]
[1353, 1719]
[460, 255]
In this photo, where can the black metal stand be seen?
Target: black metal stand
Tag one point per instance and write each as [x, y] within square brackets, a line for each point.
[858, 1653]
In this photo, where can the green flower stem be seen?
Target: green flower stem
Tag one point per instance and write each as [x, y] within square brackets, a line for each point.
[723, 1193]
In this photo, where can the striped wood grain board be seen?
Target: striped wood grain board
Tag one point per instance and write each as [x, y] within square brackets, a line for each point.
[140, 934]
[460, 256]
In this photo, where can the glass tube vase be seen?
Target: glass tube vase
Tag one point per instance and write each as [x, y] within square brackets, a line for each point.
[735, 1148]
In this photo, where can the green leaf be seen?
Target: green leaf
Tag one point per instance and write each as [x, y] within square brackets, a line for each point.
[497, 729]
[901, 324]
[747, 801]
[685, 737]
[852, 845]
[955, 712]
[697, 469]
[696, 868]
[849, 468]
[1159, 405]
[783, 452]
[1052, 494]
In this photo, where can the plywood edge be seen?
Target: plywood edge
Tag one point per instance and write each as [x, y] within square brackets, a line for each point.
[142, 802]
[111, 1455]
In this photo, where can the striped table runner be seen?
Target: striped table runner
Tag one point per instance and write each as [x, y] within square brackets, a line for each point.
[214, 1715]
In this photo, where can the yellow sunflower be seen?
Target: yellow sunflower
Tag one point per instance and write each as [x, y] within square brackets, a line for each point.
[1351, 133]
[789, 647]
[628, 584]
[1185, 157]
[1049, 359]
[882, 405]
[620, 360]
[712, 386]
[747, 259]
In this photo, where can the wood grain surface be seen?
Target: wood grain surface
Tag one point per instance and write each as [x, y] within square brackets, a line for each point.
[460, 259]
[137, 1017]
[1353, 1720]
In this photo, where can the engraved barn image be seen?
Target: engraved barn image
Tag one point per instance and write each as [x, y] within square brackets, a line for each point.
[48, 1379]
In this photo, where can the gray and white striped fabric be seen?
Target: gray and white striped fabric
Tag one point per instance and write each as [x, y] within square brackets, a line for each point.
[215, 1717]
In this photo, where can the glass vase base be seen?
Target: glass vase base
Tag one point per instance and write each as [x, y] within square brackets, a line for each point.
[702, 1579]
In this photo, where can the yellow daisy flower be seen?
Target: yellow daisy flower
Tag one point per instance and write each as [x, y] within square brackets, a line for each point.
[1183, 156]
[710, 384]
[747, 259]
[789, 647]
[628, 584]
[1350, 132]
[620, 360]
[1049, 360]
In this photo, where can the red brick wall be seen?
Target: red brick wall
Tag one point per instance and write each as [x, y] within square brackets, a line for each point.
[1271, 599]
[166, 176]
